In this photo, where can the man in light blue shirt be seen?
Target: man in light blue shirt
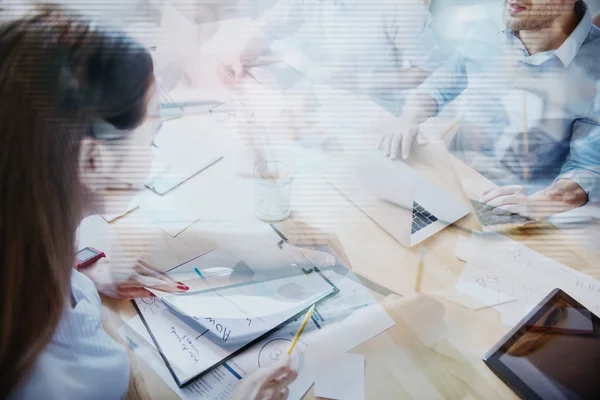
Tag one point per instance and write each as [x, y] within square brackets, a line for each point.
[527, 105]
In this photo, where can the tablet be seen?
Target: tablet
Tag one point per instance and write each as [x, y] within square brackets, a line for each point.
[553, 353]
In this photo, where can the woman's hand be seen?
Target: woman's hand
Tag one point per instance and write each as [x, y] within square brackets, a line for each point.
[269, 383]
[124, 280]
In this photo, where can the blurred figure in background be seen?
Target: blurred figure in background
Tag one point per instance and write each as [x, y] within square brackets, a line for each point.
[380, 47]
[528, 116]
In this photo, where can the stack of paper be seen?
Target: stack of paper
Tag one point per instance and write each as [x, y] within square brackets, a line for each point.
[498, 263]
[196, 332]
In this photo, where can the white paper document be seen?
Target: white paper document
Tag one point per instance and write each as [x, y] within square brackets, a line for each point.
[218, 384]
[342, 378]
[473, 296]
[172, 214]
[504, 265]
[182, 150]
[340, 323]
[126, 210]
[196, 331]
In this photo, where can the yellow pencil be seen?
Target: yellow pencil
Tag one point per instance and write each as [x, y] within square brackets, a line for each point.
[420, 269]
[306, 319]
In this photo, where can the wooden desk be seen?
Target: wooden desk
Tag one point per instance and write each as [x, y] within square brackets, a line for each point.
[398, 362]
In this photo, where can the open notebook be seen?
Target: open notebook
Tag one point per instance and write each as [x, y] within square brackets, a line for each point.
[198, 331]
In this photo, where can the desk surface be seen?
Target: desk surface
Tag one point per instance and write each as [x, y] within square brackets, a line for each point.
[398, 363]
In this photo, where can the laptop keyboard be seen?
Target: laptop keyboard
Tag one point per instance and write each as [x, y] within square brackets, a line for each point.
[421, 218]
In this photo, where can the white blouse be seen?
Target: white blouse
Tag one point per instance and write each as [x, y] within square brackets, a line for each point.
[81, 361]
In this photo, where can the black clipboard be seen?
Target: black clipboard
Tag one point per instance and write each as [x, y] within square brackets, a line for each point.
[313, 269]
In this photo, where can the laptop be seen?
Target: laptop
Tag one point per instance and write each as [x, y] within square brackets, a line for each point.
[404, 202]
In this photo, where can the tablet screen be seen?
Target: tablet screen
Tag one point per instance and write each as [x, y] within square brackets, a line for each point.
[555, 354]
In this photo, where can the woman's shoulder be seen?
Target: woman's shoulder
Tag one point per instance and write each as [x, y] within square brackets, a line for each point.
[82, 360]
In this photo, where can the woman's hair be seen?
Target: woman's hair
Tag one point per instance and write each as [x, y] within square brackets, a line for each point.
[59, 75]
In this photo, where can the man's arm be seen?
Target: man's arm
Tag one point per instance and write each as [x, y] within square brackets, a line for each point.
[283, 19]
[563, 195]
[578, 182]
[443, 86]
[409, 29]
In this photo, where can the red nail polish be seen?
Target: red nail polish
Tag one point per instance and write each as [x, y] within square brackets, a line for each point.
[183, 287]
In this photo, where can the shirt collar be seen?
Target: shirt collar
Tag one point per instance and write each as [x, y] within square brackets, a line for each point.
[568, 50]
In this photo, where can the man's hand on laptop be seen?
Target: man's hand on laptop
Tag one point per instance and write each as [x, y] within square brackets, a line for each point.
[397, 137]
[563, 195]
[509, 200]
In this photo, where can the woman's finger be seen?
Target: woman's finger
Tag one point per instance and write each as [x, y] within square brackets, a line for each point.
[132, 293]
[142, 282]
[151, 274]
[136, 280]
[154, 269]
[284, 393]
[285, 380]
[143, 277]
[177, 287]
[275, 387]
[160, 278]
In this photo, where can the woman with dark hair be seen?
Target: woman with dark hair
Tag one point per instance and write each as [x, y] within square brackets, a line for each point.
[78, 117]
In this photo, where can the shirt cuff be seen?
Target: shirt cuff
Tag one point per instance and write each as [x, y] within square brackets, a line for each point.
[588, 180]
[431, 90]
